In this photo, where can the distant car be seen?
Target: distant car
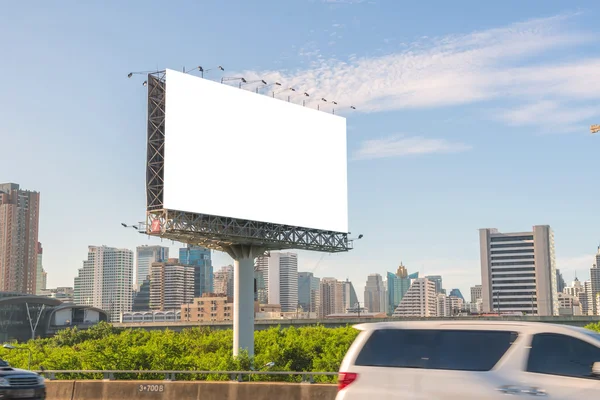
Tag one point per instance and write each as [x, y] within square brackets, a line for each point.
[471, 360]
[20, 384]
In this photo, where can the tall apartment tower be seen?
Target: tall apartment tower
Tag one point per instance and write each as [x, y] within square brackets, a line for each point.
[19, 222]
[201, 259]
[105, 280]
[421, 300]
[279, 274]
[331, 297]
[375, 294]
[223, 281]
[145, 256]
[171, 285]
[476, 293]
[595, 284]
[518, 271]
[40, 275]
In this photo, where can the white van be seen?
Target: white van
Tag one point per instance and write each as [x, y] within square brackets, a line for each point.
[471, 360]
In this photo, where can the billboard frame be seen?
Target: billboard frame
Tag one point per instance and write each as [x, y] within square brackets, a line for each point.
[214, 232]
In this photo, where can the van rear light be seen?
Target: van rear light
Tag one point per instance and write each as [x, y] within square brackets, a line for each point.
[345, 379]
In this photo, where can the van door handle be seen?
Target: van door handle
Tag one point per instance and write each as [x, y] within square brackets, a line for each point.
[517, 390]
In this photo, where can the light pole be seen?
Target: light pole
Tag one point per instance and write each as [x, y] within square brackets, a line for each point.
[11, 347]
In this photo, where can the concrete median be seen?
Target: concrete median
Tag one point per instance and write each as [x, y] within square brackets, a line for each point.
[184, 390]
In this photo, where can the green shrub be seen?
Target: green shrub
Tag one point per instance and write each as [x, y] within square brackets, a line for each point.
[103, 347]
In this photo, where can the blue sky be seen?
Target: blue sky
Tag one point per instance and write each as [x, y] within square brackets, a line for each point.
[469, 114]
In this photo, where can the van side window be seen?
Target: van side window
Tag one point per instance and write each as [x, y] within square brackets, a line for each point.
[460, 350]
[563, 355]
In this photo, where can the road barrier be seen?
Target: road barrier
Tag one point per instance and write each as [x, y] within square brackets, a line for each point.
[184, 390]
[172, 376]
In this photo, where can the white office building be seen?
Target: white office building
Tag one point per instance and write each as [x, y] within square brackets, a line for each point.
[171, 285]
[421, 300]
[279, 279]
[145, 256]
[105, 280]
[518, 271]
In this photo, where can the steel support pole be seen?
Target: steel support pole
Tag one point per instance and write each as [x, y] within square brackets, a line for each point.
[243, 306]
[243, 297]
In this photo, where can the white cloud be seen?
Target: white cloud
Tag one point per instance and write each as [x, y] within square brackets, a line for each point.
[549, 114]
[397, 146]
[462, 69]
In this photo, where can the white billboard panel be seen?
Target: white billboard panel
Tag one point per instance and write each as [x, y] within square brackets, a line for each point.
[234, 153]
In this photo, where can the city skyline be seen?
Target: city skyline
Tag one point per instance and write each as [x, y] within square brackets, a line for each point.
[428, 142]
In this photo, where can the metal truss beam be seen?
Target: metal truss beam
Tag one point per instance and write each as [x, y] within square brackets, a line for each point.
[220, 233]
[157, 90]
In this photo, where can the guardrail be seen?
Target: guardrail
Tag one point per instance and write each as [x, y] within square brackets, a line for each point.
[111, 375]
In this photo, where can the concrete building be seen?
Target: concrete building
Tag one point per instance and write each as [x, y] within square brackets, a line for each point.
[19, 224]
[106, 281]
[171, 285]
[449, 306]
[40, 275]
[145, 256]
[595, 283]
[568, 305]
[223, 281]
[419, 301]
[437, 279]
[518, 271]
[331, 297]
[560, 282]
[475, 293]
[375, 297]
[62, 293]
[141, 297]
[308, 291]
[279, 274]
[208, 308]
[201, 259]
[350, 298]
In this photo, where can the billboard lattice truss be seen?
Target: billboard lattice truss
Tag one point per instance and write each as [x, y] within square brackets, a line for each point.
[214, 232]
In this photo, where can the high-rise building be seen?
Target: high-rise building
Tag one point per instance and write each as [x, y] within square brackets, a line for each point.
[171, 285]
[41, 275]
[518, 271]
[397, 286]
[141, 297]
[331, 297]
[449, 306]
[145, 256]
[308, 291]
[437, 279]
[560, 282]
[475, 293]
[375, 298]
[595, 283]
[279, 272]
[19, 223]
[200, 258]
[350, 298]
[456, 293]
[105, 280]
[419, 301]
[223, 281]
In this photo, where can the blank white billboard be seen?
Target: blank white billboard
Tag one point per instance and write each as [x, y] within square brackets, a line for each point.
[233, 153]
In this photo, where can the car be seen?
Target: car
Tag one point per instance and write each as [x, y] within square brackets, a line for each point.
[20, 384]
[470, 360]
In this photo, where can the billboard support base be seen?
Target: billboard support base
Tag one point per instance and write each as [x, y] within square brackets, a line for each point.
[243, 296]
